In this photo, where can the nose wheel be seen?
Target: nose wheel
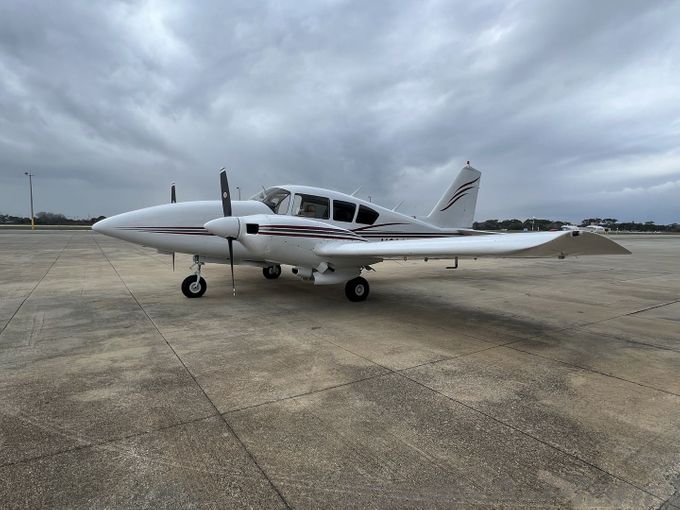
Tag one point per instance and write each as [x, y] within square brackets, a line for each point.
[357, 289]
[193, 287]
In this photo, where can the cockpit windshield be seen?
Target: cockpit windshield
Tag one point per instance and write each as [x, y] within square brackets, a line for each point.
[277, 199]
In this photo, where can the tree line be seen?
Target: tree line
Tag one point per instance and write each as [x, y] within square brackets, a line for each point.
[47, 218]
[542, 224]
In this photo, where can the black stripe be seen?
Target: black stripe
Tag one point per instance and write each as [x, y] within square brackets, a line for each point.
[467, 184]
[456, 200]
[460, 192]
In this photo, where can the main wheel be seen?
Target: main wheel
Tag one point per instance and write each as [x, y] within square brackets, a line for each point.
[271, 272]
[356, 289]
[192, 288]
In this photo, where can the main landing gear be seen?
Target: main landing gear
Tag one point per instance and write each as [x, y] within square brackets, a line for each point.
[272, 272]
[357, 289]
[194, 286]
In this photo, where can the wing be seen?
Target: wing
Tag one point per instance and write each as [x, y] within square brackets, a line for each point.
[530, 244]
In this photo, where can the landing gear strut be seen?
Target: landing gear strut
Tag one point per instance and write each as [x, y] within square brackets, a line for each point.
[357, 289]
[272, 272]
[194, 286]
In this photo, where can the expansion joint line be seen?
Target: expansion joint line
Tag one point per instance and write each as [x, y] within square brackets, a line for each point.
[594, 371]
[181, 361]
[38, 283]
[101, 444]
[531, 436]
[402, 373]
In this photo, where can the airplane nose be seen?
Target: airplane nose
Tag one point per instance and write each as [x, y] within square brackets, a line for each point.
[103, 226]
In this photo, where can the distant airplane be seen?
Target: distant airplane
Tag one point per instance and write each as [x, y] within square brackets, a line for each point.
[598, 229]
[330, 237]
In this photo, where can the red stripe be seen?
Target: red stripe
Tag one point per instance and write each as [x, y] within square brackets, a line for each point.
[165, 227]
[318, 236]
[376, 226]
[306, 227]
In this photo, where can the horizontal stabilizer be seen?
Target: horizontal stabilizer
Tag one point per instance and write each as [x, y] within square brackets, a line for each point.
[530, 244]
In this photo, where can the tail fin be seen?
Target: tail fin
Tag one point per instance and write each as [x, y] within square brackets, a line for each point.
[456, 208]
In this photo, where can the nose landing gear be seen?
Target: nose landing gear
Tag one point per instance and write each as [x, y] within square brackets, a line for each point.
[194, 286]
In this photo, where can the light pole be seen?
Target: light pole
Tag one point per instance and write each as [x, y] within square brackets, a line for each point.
[30, 187]
[239, 192]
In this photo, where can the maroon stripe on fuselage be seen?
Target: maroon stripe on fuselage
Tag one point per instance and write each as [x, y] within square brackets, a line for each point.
[306, 227]
[310, 235]
[170, 230]
[164, 227]
[376, 226]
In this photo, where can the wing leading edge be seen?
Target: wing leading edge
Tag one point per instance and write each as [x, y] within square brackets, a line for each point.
[531, 244]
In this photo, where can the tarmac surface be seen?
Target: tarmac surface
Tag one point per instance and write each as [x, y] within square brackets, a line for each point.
[504, 383]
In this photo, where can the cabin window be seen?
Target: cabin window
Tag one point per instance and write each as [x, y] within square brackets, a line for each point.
[311, 206]
[367, 215]
[277, 199]
[343, 211]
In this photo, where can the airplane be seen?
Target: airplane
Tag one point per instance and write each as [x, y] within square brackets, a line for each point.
[329, 237]
[598, 229]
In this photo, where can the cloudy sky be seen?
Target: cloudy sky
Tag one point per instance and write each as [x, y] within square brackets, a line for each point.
[570, 108]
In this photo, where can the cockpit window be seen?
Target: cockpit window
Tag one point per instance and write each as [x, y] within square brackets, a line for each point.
[366, 215]
[343, 211]
[311, 206]
[277, 199]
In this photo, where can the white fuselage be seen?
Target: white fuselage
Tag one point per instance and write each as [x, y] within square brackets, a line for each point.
[285, 234]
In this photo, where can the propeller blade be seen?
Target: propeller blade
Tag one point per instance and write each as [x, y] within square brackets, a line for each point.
[173, 195]
[231, 262]
[226, 209]
[226, 197]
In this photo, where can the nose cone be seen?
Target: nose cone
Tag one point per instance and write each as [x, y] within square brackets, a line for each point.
[104, 226]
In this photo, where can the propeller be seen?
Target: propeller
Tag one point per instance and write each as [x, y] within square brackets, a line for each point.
[173, 199]
[226, 210]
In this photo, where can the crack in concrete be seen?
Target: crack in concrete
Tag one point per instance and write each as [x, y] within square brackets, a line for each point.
[401, 373]
[36, 285]
[222, 417]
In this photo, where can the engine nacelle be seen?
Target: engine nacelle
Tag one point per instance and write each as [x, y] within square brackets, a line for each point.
[334, 277]
[304, 273]
[229, 226]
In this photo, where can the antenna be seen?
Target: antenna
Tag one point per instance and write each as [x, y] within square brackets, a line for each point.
[355, 191]
[397, 206]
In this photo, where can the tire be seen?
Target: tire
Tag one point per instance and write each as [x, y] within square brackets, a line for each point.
[272, 272]
[357, 289]
[193, 289]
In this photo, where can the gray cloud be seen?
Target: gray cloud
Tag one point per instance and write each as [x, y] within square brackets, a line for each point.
[569, 108]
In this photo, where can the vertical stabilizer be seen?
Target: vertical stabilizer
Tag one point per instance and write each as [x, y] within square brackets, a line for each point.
[456, 208]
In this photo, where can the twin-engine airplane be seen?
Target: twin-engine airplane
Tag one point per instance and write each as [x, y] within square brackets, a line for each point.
[330, 237]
